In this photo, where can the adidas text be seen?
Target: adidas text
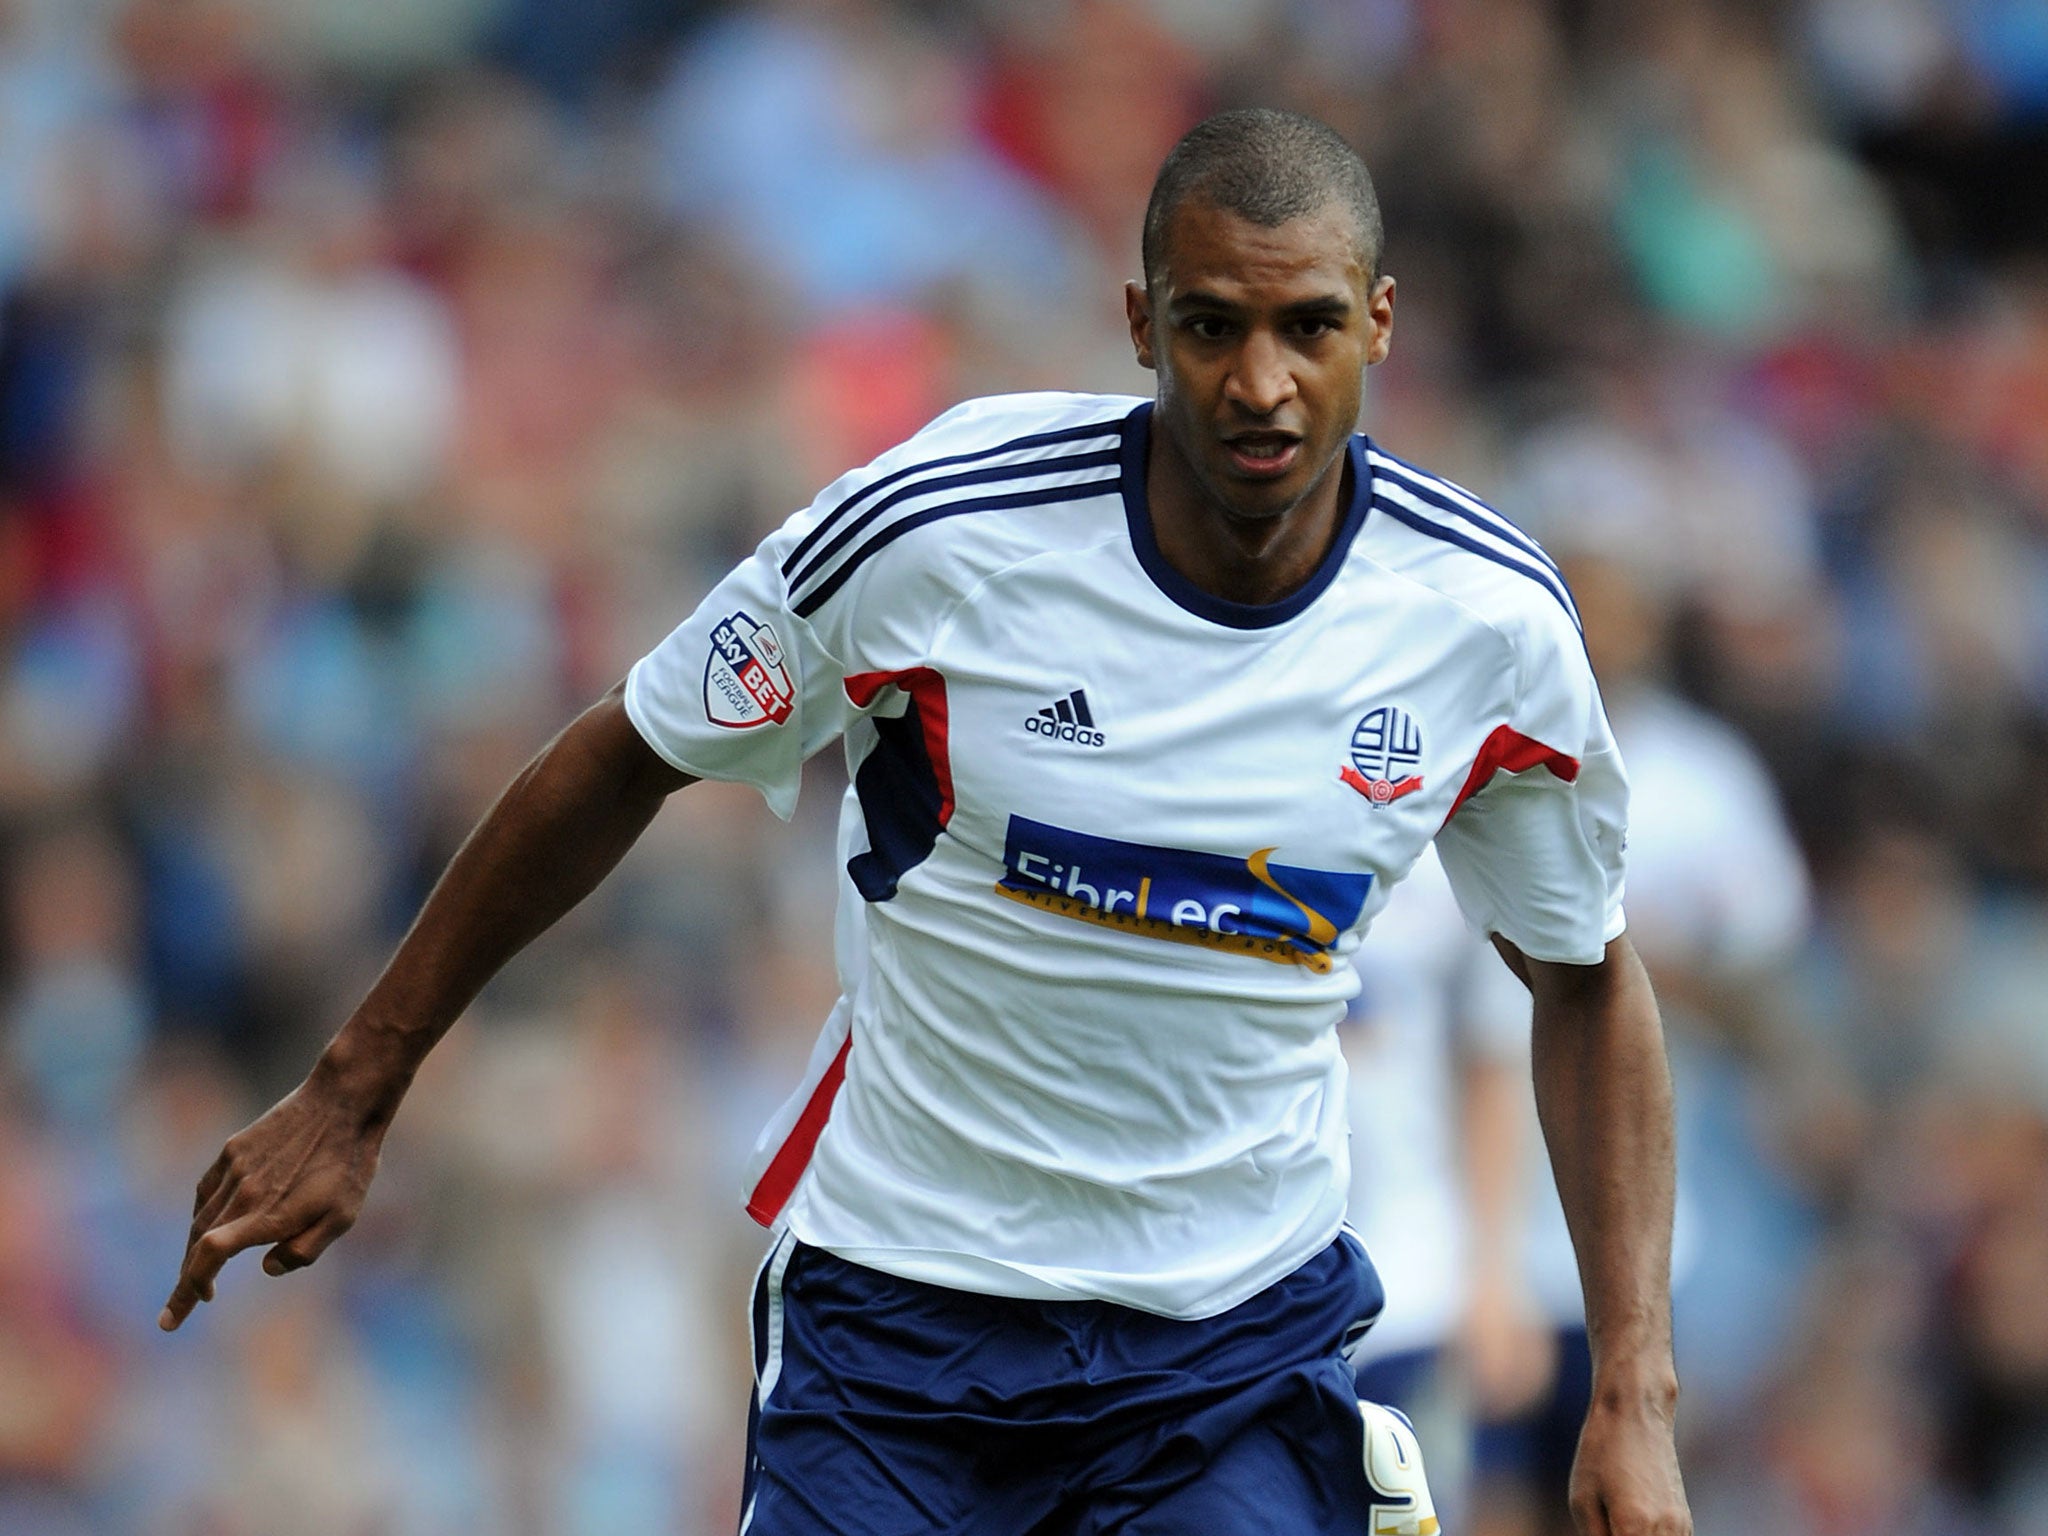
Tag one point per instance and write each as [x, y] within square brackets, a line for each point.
[1067, 720]
[1064, 730]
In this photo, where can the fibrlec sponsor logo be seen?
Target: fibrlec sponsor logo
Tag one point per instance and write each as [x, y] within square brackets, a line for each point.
[1282, 913]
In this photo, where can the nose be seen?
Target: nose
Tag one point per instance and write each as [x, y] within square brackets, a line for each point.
[1261, 381]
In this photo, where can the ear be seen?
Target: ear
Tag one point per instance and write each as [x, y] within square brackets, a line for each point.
[1138, 310]
[1379, 318]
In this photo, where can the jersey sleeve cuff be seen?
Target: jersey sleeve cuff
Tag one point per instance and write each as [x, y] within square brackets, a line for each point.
[1565, 952]
[780, 798]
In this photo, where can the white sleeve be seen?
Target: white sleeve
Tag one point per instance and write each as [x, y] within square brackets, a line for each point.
[761, 675]
[1535, 852]
[743, 689]
[1765, 904]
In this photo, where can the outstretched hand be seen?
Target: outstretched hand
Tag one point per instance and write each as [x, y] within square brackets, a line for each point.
[295, 1178]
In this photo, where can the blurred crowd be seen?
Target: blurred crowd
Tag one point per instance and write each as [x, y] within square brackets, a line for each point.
[378, 379]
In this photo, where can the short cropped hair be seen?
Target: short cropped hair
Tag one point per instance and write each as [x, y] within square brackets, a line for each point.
[1267, 166]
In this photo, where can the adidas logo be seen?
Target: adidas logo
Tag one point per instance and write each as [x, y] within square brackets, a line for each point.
[1067, 720]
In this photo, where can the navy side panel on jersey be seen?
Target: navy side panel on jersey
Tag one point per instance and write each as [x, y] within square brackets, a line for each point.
[900, 801]
[905, 784]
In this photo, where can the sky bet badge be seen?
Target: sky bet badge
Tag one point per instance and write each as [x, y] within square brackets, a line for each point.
[1386, 749]
[745, 680]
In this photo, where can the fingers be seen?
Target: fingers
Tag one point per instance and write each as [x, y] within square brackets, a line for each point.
[209, 1252]
[1629, 1512]
[205, 1255]
[300, 1236]
[1596, 1519]
[209, 1183]
[293, 1180]
[1589, 1514]
[1626, 1479]
[215, 1209]
[298, 1252]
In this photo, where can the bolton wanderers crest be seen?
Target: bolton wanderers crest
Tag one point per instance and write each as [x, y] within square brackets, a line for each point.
[1386, 752]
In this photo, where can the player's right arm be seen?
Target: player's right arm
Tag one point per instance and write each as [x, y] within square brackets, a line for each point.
[295, 1179]
[743, 690]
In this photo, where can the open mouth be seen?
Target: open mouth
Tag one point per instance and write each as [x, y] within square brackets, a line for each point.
[1263, 455]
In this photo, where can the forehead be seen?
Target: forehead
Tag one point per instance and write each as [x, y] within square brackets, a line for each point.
[1211, 250]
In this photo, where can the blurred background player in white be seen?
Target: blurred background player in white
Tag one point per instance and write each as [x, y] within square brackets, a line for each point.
[1719, 906]
[1482, 1342]
[1437, 1041]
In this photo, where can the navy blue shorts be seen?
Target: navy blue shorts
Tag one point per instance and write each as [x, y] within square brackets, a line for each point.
[885, 1407]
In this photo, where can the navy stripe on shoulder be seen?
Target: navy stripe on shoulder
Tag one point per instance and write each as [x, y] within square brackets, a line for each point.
[1501, 557]
[1041, 497]
[1016, 445]
[986, 476]
[1440, 493]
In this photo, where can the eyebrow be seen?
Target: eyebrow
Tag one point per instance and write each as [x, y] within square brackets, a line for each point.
[1333, 306]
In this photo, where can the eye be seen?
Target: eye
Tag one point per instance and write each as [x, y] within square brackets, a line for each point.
[1207, 327]
[1314, 326]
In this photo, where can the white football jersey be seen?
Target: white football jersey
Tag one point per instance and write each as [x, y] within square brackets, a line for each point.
[1110, 840]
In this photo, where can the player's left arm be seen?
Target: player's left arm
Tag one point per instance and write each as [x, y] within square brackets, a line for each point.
[1603, 1094]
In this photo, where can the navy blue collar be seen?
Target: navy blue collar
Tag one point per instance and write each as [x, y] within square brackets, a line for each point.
[1137, 442]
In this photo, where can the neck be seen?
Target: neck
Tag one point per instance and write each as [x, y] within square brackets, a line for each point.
[1251, 560]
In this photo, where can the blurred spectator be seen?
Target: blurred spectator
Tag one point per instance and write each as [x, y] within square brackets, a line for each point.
[56, 1375]
[78, 1018]
[836, 140]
